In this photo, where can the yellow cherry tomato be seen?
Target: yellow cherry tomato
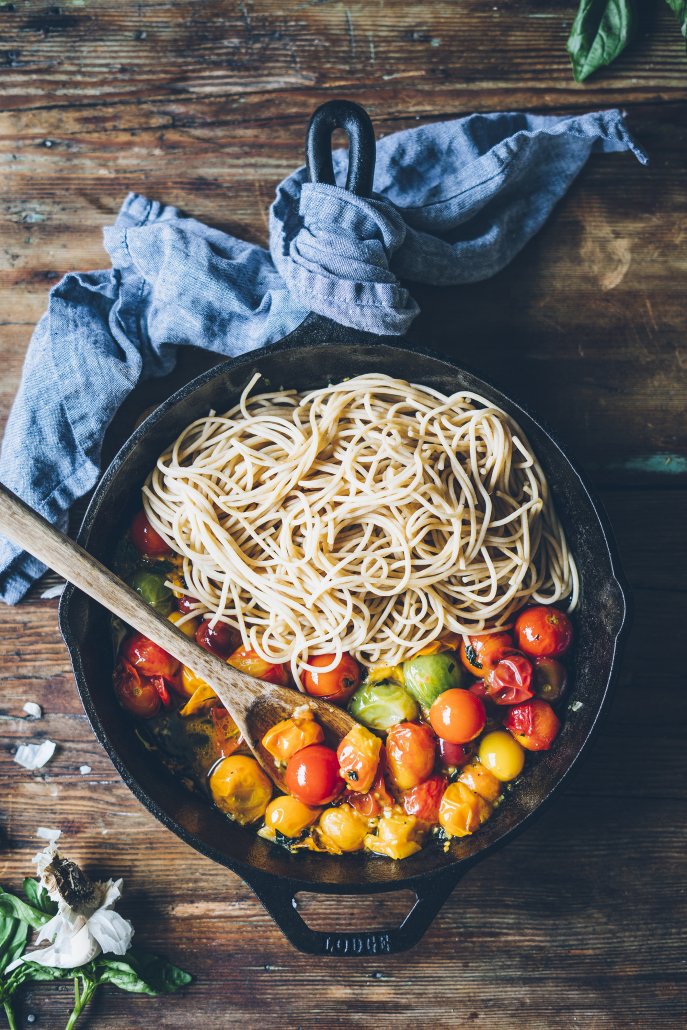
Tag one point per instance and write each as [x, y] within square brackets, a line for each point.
[462, 811]
[358, 755]
[189, 628]
[478, 778]
[341, 829]
[289, 815]
[501, 755]
[398, 836]
[190, 683]
[240, 788]
[287, 737]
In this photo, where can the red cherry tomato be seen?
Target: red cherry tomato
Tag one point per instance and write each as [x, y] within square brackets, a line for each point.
[148, 658]
[246, 660]
[482, 651]
[458, 716]
[145, 539]
[510, 681]
[138, 695]
[452, 756]
[312, 775]
[544, 632]
[535, 725]
[424, 800]
[338, 684]
[377, 798]
[479, 688]
[220, 639]
[410, 753]
[186, 603]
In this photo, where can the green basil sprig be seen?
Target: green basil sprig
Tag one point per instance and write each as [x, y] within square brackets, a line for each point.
[601, 30]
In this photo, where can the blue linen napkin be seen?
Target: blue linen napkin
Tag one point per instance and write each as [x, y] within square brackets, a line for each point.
[453, 203]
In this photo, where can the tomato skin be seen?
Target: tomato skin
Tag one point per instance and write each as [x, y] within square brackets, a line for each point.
[358, 755]
[452, 755]
[134, 693]
[376, 799]
[287, 737]
[246, 660]
[219, 639]
[148, 658]
[483, 650]
[410, 753]
[339, 684]
[458, 716]
[145, 539]
[509, 681]
[543, 632]
[424, 800]
[534, 725]
[312, 775]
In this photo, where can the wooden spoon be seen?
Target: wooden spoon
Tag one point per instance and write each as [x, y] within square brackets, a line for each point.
[254, 705]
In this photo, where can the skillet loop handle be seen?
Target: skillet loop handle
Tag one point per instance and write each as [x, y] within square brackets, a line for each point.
[362, 149]
[278, 898]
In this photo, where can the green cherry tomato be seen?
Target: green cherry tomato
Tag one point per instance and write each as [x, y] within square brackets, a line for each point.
[151, 587]
[379, 706]
[429, 675]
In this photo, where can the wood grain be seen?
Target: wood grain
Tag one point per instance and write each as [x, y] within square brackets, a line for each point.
[580, 922]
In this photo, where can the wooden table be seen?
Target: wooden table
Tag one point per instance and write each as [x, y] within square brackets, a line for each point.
[580, 922]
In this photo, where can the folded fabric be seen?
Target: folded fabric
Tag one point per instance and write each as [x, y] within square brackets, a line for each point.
[453, 203]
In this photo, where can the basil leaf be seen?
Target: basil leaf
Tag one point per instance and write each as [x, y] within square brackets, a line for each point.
[11, 906]
[13, 937]
[39, 897]
[679, 9]
[35, 972]
[161, 975]
[601, 31]
[122, 974]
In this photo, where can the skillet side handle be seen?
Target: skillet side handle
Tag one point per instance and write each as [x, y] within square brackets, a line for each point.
[278, 898]
[362, 148]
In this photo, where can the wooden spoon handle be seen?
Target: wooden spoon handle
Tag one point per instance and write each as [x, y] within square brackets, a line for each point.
[37, 536]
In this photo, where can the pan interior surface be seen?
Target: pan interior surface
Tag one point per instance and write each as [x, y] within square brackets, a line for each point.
[85, 625]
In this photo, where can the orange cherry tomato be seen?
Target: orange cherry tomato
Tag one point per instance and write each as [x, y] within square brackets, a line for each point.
[535, 725]
[375, 801]
[225, 733]
[424, 800]
[138, 695]
[481, 652]
[458, 716]
[410, 753]
[148, 658]
[312, 775]
[220, 639]
[145, 539]
[543, 632]
[358, 755]
[287, 737]
[338, 684]
[509, 681]
[246, 660]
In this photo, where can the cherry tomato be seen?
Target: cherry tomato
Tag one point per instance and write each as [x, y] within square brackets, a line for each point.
[312, 775]
[246, 660]
[535, 725]
[220, 639]
[338, 684]
[376, 799]
[145, 539]
[225, 733]
[424, 800]
[509, 681]
[186, 603]
[481, 651]
[544, 632]
[358, 755]
[287, 737]
[149, 658]
[452, 756]
[550, 678]
[137, 695]
[410, 753]
[458, 716]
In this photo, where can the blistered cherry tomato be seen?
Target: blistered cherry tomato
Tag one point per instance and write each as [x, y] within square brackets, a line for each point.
[458, 716]
[534, 725]
[410, 753]
[145, 539]
[149, 658]
[509, 681]
[452, 756]
[312, 775]
[245, 659]
[424, 800]
[544, 632]
[550, 679]
[375, 801]
[186, 603]
[220, 639]
[358, 755]
[136, 694]
[338, 684]
[481, 652]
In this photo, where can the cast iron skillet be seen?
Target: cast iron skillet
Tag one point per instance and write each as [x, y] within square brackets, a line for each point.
[319, 352]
